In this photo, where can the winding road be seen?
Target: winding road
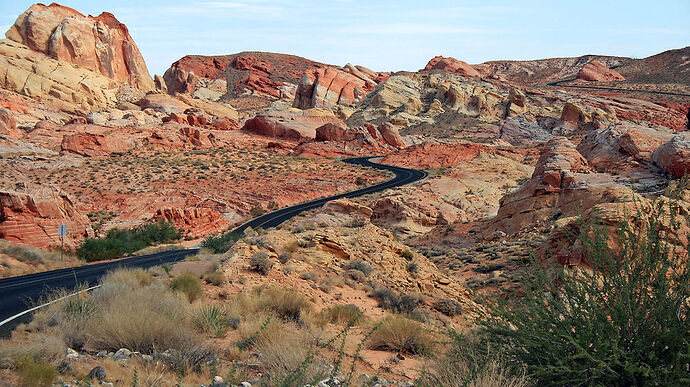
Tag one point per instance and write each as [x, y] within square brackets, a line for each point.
[561, 84]
[19, 296]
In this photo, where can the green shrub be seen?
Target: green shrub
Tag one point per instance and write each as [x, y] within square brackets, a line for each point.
[622, 322]
[388, 299]
[188, 284]
[256, 211]
[220, 244]
[407, 254]
[260, 262]
[121, 242]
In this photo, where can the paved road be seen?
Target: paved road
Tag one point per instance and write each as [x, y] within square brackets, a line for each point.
[17, 294]
[560, 84]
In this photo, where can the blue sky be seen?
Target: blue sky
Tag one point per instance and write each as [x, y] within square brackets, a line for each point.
[392, 35]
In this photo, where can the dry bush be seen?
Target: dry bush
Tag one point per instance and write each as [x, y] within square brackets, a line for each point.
[216, 278]
[309, 276]
[48, 348]
[328, 283]
[261, 263]
[35, 372]
[447, 306]
[284, 303]
[188, 284]
[144, 320]
[341, 314]
[401, 334]
[133, 278]
[285, 352]
[358, 264]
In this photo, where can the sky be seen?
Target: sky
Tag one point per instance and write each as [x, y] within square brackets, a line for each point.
[392, 35]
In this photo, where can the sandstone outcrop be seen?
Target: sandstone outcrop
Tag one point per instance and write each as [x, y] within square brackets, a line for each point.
[451, 65]
[8, 126]
[287, 124]
[328, 87]
[93, 145]
[195, 221]
[101, 44]
[32, 216]
[613, 147]
[595, 71]
[560, 185]
[54, 82]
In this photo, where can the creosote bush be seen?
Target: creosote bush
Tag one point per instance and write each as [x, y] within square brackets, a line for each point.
[358, 264]
[622, 321]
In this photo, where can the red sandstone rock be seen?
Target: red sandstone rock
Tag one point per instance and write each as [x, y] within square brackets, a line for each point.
[328, 87]
[572, 113]
[225, 124]
[596, 71]
[195, 221]
[452, 65]
[101, 44]
[32, 217]
[431, 155]
[92, 145]
[391, 135]
[8, 126]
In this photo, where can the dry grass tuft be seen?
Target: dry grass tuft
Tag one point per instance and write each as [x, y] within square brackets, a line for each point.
[401, 334]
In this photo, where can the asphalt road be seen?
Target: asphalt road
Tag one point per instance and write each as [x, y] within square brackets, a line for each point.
[18, 294]
[561, 84]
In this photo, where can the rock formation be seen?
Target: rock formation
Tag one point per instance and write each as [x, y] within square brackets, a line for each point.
[288, 125]
[328, 87]
[451, 65]
[101, 44]
[32, 216]
[674, 156]
[596, 71]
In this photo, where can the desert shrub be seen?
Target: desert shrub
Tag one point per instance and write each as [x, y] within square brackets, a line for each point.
[624, 322]
[387, 298]
[216, 278]
[309, 275]
[46, 347]
[284, 257]
[260, 262]
[120, 242]
[341, 314]
[256, 211]
[358, 264]
[187, 284]
[35, 372]
[286, 352]
[287, 304]
[211, 319]
[469, 361]
[409, 302]
[407, 254]
[356, 275]
[401, 334]
[447, 306]
[329, 282]
[220, 244]
[133, 278]
[412, 268]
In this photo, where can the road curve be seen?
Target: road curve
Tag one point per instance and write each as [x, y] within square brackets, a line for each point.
[18, 294]
[561, 84]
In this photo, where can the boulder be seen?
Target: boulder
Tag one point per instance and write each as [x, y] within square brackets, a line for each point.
[101, 44]
[163, 103]
[391, 135]
[8, 126]
[572, 113]
[287, 124]
[674, 156]
[451, 65]
[596, 71]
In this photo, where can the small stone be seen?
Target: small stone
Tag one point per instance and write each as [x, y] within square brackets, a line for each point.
[102, 354]
[217, 379]
[97, 372]
[106, 384]
[147, 358]
[245, 384]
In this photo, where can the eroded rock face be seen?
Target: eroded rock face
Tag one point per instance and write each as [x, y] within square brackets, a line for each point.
[195, 221]
[613, 147]
[328, 87]
[452, 65]
[101, 44]
[8, 126]
[32, 216]
[595, 71]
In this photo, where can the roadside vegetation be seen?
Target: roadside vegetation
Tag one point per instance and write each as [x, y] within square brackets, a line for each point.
[121, 242]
